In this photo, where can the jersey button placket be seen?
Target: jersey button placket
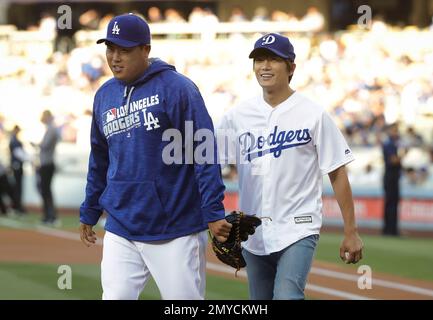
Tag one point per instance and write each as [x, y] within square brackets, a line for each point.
[268, 231]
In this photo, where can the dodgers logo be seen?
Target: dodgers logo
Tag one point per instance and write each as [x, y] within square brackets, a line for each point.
[255, 147]
[115, 29]
[268, 40]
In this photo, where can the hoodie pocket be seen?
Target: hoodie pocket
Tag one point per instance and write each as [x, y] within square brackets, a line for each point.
[136, 206]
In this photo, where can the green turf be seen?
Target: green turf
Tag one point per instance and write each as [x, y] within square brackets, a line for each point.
[407, 257]
[68, 221]
[219, 288]
[39, 281]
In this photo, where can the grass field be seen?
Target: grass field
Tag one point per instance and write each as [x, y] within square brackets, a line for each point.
[407, 257]
[36, 281]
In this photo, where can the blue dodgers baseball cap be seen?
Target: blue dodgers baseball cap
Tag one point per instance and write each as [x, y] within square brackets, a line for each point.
[275, 43]
[127, 30]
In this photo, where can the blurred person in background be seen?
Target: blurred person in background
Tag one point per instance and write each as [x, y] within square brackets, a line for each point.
[209, 16]
[261, 14]
[18, 156]
[429, 167]
[411, 175]
[368, 176]
[154, 15]
[48, 25]
[2, 126]
[46, 167]
[105, 20]
[3, 209]
[89, 20]
[7, 190]
[196, 15]
[392, 156]
[173, 16]
[237, 15]
[313, 20]
[412, 139]
[278, 15]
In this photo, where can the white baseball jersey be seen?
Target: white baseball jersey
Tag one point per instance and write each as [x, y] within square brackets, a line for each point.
[281, 155]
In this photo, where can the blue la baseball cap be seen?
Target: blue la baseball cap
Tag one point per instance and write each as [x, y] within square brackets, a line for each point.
[275, 43]
[127, 30]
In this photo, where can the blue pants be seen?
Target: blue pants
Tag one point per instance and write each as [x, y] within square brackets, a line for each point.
[281, 275]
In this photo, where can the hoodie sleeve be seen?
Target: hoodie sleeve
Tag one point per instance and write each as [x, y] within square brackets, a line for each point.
[189, 110]
[90, 210]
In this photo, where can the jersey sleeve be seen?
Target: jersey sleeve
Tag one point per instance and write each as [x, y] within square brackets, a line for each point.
[332, 149]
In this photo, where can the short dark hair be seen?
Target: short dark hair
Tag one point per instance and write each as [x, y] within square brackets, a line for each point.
[393, 125]
[289, 64]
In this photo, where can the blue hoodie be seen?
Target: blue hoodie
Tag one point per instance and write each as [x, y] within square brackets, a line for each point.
[146, 199]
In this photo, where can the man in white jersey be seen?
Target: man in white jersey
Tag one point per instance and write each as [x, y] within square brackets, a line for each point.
[283, 144]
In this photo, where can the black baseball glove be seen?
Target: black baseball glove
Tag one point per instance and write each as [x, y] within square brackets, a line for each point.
[230, 251]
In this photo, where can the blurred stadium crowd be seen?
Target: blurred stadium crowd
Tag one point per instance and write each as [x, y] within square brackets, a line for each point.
[365, 78]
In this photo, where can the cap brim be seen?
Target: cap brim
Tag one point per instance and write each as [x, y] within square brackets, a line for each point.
[119, 42]
[258, 51]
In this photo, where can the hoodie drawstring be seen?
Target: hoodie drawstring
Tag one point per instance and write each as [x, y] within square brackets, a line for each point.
[128, 99]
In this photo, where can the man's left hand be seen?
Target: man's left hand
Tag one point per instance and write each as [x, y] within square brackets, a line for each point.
[351, 248]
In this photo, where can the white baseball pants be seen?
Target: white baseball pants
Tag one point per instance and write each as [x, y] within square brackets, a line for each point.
[178, 267]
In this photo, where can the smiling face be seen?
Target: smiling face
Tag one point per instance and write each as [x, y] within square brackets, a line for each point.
[272, 71]
[127, 64]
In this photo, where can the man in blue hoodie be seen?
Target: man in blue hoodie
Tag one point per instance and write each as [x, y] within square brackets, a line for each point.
[157, 213]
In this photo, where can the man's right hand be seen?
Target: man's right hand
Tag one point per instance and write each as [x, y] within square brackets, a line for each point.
[220, 229]
[87, 235]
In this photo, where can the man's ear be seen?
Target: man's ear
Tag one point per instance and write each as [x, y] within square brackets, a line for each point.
[292, 68]
[146, 48]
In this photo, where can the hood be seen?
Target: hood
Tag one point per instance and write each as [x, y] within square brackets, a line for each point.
[156, 66]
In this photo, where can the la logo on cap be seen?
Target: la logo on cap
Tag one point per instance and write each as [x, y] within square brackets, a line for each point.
[115, 29]
[268, 40]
